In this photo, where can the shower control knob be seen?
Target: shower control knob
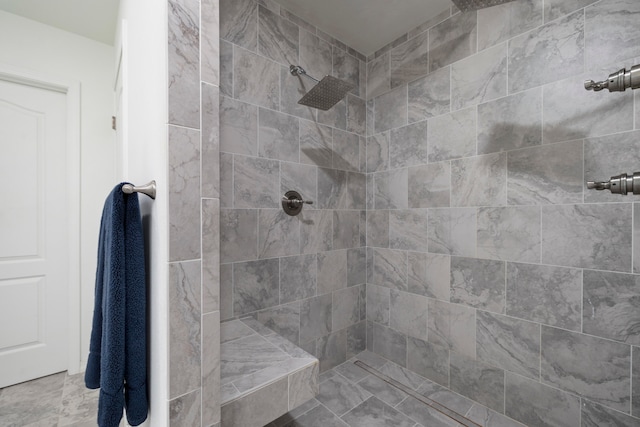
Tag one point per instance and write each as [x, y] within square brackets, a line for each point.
[292, 203]
[618, 184]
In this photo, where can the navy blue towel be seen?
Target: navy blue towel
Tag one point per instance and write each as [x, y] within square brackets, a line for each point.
[117, 355]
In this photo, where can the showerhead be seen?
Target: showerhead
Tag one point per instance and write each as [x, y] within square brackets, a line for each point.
[324, 95]
[467, 5]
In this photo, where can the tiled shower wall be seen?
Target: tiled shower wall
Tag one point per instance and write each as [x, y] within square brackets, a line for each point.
[492, 270]
[304, 276]
[194, 200]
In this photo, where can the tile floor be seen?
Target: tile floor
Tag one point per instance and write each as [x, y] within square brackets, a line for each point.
[52, 401]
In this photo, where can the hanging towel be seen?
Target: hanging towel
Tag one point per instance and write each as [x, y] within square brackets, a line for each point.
[117, 354]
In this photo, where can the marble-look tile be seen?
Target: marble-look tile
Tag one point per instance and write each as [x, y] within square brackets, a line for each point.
[211, 368]
[378, 76]
[509, 233]
[210, 41]
[410, 60]
[452, 326]
[610, 306]
[210, 255]
[316, 231]
[319, 416]
[635, 382]
[183, 63]
[488, 418]
[332, 271]
[301, 178]
[226, 180]
[479, 181]
[408, 145]
[545, 294]
[429, 360]
[357, 336]
[428, 275]
[184, 193]
[452, 40]
[591, 367]
[538, 405]
[336, 116]
[391, 189]
[452, 231]
[234, 329]
[554, 9]
[292, 89]
[391, 109]
[478, 381]
[547, 54]
[346, 229]
[563, 122]
[332, 189]
[255, 285]
[382, 390]
[508, 343]
[278, 233]
[378, 304]
[511, 122]
[372, 359]
[315, 317]
[375, 413]
[592, 236]
[316, 144]
[378, 152]
[238, 235]
[613, 35]
[250, 382]
[210, 144]
[239, 23]
[430, 185]
[402, 375]
[479, 78]
[256, 182]
[78, 404]
[636, 238]
[425, 415]
[246, 356]
[345, 310]
[502, 22]
[390, 344]
[348, 68]
[31, 401]
[261, 88]
[356, 266]
[478, 283]
[257, 326]
[332, 350]
[408, 314]
[548, 174]
[184, 327]
[186, 410]
[257, 408]
[303, 386]
[297, 20]
[607, 156]
[226, 291]
[356, 115]
[238, 127]
[390, 269]
[430, 23]
[277, 37]
[297, 278]
[408, 229]
[430, 96]
[370, 192]
[594, 415]
[346, 151]
[226, 68]
[315, 54]
[452, 135]
[278, 136]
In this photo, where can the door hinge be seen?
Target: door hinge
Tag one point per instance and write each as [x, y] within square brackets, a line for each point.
[113, 122]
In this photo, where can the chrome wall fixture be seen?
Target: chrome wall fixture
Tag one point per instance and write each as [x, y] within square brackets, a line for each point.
[618, 184]
[619, 81]
[149, 189]
[292, 202]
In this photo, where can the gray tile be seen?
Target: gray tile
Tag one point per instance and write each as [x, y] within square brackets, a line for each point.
[378, 304]
[375, 413]
[478, 381]
[452, 135]
[297, 278]
[226, 68]
[408, 229]
[538, 405]
[479, 181]
[239, 23]
[226, 180]
[256, 183]
[602, 366]
[186, 410]
[391, 189]
[356, 115]
[257, 408]
[478, 283]
[636, 238]
[554, 9]
[479, 78]
[315, 317]
[452, 231]
[545, 294]
[390, 269]
[210, 255]
[378, 76]
[297, 20]
[508, 343]
[372, 359]
[430, 185]
[429, 275]
[402, 375]
[507, 20]
[211, 368]
[315, 54]
[594, 236]
[610, 306]
[346, 229]
[278, 135]
[378, 152]
[408, 145]
[409, 60]
[315, 144]
[303, 386]
[332, 271]
[316, 231]
[234, 329]
[408, 314]
[425, 415]
[430, 23]
[336, 116]
[452, 326]
[594, 415]
[332, 189]
[292, 88]
[429, 360]
[356, 266]
[238, 127]
[79, 405]
[32, 401]
[445, 397]
[546, 54]
[430, 95]
[246, 356]
[509, 233]
[319, 416]
[357, 335]
[295, 413]
[488, 418]
[452, 40]
[346, 151]
[210, 41]
[332, 349]
[511, 122]
[226, 291]
[391, 109]
[301, 178]
[382, 390]
[277, 37]
[378, 228]
[344, 308]
[238, 235]
[348, 68]
[390, 344]
[262, 88]
[548, 174]
[210, 141]
[278, 233]
[635, 382]
[255, 285]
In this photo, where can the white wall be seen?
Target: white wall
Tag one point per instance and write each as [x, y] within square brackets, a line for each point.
[48, 51]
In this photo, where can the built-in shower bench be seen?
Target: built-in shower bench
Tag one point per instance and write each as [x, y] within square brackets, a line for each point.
[263, 375]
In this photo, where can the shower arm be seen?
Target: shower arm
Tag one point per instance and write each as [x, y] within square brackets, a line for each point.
[297, 70]
[618, 81]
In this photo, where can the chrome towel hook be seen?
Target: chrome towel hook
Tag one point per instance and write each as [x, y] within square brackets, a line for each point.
[149, 189]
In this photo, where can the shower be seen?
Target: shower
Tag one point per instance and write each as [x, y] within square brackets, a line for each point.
[326, 93]
[468, 5]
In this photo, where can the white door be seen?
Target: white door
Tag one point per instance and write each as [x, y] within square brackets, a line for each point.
[33, 233]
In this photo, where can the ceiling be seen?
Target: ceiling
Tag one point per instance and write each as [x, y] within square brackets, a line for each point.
[94, 19]
[365, 25]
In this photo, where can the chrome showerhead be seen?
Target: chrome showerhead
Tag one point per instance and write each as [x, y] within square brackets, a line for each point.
[324, 95]
[467, 5]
